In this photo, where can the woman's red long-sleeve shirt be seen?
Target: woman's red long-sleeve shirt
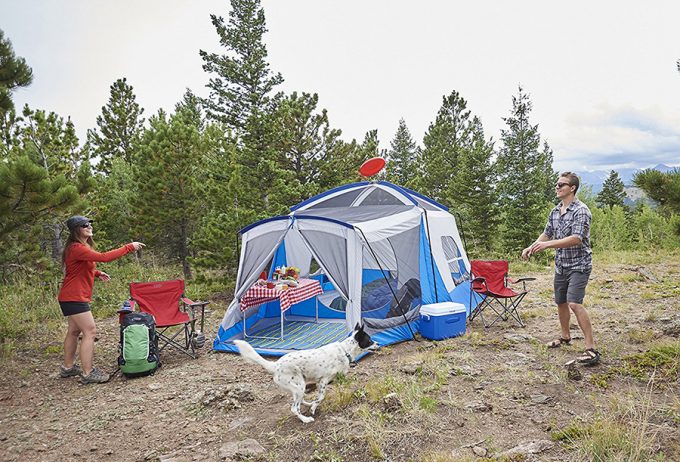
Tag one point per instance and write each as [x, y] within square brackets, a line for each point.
[81, 270]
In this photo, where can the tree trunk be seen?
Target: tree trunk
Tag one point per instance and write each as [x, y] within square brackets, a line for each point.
[184, 251]
[57, 244]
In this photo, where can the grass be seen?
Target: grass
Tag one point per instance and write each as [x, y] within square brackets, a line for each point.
[625, 432]
[635, 258]
[448, 457]
[639, 336]
[372, 416]
[661, 359]
[661, 363]
[379, 402]
[30, 307]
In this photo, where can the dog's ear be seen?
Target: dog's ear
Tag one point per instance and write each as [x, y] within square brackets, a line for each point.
[358, 327]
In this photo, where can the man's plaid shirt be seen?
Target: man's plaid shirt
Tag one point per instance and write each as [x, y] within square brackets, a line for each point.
[575, 222]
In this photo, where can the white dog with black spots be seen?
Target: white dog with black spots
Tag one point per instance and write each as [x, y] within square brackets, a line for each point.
[295, 370]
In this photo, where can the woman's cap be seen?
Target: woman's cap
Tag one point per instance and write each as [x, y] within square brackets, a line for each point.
[76, 221]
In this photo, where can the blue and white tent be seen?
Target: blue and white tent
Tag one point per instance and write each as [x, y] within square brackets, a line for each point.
[380, 251]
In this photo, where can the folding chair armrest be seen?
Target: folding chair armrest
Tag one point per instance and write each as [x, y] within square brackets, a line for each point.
[515, 281]
[480, 280]
[192, 303]
[522, 280]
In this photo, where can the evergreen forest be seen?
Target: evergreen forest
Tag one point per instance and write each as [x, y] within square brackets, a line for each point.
[185, 180]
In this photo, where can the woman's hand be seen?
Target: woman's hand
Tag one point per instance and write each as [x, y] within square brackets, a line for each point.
[104, 277]
[138, 245]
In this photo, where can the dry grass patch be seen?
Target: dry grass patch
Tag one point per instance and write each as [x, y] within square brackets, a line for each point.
[627, 431]
[339, 397]
[638, 335]
[661, 360]
[436, 456]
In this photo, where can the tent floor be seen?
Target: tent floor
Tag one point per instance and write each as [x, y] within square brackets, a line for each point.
[298, 335]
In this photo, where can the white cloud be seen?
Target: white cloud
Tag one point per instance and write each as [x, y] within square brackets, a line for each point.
[620, 137]
[601, 75]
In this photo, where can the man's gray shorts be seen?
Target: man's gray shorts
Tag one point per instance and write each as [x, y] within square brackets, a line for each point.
[570, 286]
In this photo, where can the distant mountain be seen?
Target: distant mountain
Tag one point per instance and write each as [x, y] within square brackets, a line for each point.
[596, 178]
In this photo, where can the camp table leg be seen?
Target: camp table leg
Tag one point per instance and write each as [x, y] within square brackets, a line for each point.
[245, 334]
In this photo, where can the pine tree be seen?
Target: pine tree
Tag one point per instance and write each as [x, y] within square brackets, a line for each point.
[111, 202]
[474, 190]
[402, 156]
[29, 201]
[120, 126]
[303, 143]
[663, 188]
[226, 197]
[547, 176]
[613, 191]
[50, 142]
[241, 81]
[443, 143]
[43, 177]
[371, 144]
[14, 73]
[169, 172]
[522, 176]
[342, 166]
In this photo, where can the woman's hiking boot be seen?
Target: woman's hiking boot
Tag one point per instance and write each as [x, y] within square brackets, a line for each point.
[69, 372]
[95, 376]
[558, 342]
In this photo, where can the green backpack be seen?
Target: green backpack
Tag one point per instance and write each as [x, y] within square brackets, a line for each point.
[138, 345]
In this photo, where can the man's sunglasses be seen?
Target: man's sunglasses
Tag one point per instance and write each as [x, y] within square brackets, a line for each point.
[562, 185]
[86, 225]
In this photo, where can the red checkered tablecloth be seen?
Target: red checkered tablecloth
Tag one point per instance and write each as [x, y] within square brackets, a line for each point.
[257, 295]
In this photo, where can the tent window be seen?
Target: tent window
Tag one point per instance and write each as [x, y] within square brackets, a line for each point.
[381, 197]
[314, 266]
[427, 205]
[453, 256]
[341, 200]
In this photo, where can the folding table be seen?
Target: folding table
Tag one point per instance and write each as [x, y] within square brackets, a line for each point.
[257, 295]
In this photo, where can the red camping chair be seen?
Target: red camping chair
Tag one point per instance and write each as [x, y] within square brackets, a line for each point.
[490, 290]
[166, 302]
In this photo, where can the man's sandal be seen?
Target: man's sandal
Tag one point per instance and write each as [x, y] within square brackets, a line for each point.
[558, 342]
[590, 357]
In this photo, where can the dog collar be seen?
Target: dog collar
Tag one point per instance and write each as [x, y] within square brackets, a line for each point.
[349, 358]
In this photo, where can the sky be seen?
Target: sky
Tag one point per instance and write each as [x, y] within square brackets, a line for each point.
[601, 75]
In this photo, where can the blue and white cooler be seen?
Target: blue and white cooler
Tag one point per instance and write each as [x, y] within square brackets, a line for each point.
[442, 320]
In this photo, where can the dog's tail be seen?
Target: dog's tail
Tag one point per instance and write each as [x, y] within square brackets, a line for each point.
[250, 355]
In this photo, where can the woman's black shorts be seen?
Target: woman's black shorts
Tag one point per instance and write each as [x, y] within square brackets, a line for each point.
[69, 308]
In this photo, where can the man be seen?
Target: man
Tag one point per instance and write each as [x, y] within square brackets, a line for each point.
[568, 231]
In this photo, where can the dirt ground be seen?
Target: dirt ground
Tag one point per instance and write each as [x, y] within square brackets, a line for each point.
[476, 396]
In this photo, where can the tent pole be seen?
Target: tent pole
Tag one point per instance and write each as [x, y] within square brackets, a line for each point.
[429, 241]
[394, 294]
[462, 232]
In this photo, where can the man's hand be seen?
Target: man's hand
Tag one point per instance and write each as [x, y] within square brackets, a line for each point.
[104, 277]
[538, 246]
[526, 253]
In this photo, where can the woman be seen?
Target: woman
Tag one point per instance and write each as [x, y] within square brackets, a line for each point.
[76, 292]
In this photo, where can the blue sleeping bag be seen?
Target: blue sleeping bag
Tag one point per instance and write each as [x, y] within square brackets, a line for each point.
[374, 295]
